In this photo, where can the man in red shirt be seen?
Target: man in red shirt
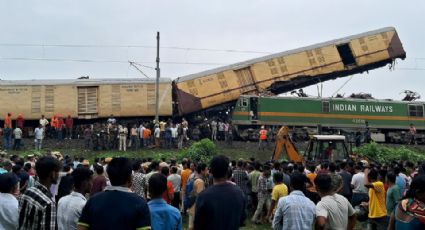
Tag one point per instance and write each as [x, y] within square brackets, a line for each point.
[7, 132]
[20, 121]
[69, 123]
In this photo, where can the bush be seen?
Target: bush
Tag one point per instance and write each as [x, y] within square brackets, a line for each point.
[382, 153]
[203, 150]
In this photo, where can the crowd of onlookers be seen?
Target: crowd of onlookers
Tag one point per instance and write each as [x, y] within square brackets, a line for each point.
[114, 135]
[119, 193]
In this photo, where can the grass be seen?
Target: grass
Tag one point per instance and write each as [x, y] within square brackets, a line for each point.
[242, 150]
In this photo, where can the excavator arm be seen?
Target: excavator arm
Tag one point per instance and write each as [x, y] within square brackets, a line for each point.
[283, 141]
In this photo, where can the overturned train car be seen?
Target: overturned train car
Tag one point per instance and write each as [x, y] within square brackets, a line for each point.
[285, 71]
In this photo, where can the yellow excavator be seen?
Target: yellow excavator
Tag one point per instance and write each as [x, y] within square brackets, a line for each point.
[320, 148]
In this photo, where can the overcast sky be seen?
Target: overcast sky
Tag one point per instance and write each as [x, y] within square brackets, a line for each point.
[38, 37]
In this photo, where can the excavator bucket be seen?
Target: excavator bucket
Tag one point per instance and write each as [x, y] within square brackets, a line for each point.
[283, 141]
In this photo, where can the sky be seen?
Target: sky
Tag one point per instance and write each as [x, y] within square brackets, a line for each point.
[66, 39]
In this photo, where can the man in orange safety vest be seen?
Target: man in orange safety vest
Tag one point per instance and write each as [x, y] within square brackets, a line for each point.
[262, 138]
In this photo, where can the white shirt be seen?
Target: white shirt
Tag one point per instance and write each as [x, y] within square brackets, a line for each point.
[358, 182]
[157, 132]
[44, 122]
[9, 212]
[18, 133]
[176, 181]
[111, 120]
[38, 133]
[336, 209]
[69, 210]
[174, 132]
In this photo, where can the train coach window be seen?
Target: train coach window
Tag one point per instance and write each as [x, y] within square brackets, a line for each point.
[244, 102]
[416, 110]
[325, 106]
[346, 54]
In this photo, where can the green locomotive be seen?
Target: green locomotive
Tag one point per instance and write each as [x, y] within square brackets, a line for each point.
[387, 117]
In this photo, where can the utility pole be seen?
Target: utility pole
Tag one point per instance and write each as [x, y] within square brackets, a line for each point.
[157, 80]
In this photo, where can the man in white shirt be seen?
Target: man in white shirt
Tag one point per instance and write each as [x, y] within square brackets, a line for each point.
[43, 121]
[71, 206]
[18, 136]
[175, 179]
[38, 134]
[174, 134]
[157, 135]
[9, 212]
[333, 210]
[360, 192]
[111, 120]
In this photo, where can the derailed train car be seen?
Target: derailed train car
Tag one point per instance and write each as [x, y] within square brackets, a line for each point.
[277, 73]
[85, 98]
[288, 70]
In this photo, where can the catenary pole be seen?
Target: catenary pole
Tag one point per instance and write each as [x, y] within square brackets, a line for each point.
[157, 80]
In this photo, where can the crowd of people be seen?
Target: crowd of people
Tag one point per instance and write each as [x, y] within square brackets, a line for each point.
[112, 134]
[118, 193]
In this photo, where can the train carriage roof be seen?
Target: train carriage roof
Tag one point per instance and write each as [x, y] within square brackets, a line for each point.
[82, 82]
[244, 64]
[336, 99]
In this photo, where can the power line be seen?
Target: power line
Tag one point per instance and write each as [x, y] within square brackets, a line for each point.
[134, 64]
[129, 46]
[105, 61]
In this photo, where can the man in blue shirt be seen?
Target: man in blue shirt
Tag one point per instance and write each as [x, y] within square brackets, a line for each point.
[400, 181]
[295, 211]
[117, 207]
[163, 215]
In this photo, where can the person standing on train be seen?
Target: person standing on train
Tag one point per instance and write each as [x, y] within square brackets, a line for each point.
[262, 138]
[7, 132]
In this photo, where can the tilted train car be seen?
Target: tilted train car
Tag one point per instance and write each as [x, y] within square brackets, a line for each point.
[85, 98]
[383, 115]
[288, 70]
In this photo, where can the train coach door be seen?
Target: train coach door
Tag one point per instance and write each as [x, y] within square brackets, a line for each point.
[346, 55]
[253, 108]
[87, 102]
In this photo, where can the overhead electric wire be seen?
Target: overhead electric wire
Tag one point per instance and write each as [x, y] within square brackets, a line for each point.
[104, 61]
[129, 46]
